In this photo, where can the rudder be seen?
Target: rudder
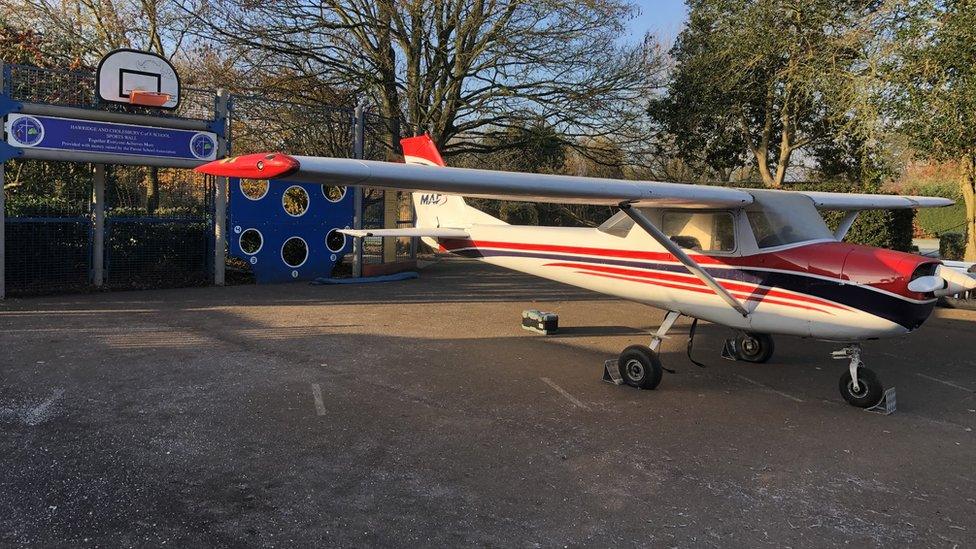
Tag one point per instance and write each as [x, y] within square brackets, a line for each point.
[434, 209]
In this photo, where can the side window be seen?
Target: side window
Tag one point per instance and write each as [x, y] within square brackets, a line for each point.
[700, 231]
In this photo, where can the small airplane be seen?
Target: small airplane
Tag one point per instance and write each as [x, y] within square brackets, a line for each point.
[762, 262]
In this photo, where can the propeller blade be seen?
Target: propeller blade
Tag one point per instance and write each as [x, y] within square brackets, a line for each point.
[956, 282]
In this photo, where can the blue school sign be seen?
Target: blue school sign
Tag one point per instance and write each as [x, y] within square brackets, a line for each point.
[67, 134]
[287, 230]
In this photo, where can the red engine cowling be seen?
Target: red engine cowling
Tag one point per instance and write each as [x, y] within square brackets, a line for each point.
[886, 269]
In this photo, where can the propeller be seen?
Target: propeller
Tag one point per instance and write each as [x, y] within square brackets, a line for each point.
[945, 281]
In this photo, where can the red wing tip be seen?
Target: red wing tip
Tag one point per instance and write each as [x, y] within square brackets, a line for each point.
[252, 166]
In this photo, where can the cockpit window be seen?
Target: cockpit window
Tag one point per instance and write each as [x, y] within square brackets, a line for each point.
[700, 231]
[781, 218]
[619, 224]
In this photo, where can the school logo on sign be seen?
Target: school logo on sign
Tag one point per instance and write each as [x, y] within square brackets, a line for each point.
[203, 146]
[27, 131]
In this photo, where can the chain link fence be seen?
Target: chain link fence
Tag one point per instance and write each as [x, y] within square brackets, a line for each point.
[259, 125]
[158, 228]
[158, 222]
[48, 226]
[77, 89]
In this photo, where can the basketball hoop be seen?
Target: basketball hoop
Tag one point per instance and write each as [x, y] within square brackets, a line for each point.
[148, 98]
[139, 78]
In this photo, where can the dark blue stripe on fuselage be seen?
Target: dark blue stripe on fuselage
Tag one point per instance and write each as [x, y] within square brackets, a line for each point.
[908, 314]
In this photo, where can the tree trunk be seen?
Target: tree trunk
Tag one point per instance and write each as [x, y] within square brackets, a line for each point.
[387, 65]
[763, 165]
[968, 184]
[152, 191]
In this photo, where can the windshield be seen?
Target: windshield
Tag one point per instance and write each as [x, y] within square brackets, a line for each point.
[781, 218]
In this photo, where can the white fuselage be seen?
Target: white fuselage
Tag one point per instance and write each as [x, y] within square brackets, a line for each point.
[634, 267]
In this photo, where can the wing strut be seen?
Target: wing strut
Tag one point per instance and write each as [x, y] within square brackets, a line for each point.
[641, 220]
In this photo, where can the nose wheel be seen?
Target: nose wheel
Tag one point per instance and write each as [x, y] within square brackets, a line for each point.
[859, 385]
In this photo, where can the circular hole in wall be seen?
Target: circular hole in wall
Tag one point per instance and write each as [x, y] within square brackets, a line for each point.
[254, 189]
[251, 241]
[295, 201]
[335, 241]
[333, 193]
[294, 252]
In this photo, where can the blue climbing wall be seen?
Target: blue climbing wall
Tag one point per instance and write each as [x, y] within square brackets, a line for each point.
[283, 245]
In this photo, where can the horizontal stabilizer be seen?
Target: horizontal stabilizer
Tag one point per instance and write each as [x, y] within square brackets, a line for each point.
[434, 232]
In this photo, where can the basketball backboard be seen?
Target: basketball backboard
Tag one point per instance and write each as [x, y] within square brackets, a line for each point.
[123, 71]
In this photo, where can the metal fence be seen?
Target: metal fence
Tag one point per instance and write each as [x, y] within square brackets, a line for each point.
[77, 89]
[159, 222]
[259, 124]
[158, 229]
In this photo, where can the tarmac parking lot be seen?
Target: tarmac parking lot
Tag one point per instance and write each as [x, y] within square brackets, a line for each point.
[419, 413]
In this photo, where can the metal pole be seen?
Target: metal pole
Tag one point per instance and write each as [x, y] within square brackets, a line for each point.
[3, 209]
[98, 212]
[115, 117]
[3, 224]
[56, 155]
[359, 123]
[220, 196]
[414, 241]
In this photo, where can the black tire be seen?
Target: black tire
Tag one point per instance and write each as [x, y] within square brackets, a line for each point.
[870, 388]
[751, 347]
[640, 367]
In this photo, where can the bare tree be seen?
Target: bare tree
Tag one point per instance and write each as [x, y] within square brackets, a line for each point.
[452, 67]
[96, 27]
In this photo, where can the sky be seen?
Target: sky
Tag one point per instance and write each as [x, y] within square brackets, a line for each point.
[662, 17]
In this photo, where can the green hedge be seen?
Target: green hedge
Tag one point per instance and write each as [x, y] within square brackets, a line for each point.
[935, 221]
[952, 246]
[45, 206]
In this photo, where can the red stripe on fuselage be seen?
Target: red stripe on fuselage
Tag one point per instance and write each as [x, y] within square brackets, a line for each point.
[691, 279]
[883, 269]
[703, 290]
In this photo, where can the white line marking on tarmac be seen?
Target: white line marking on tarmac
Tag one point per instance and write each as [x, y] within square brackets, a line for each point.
[768, 388]
[39, 414]
[563, 392]
[319, 404]
[944, 382]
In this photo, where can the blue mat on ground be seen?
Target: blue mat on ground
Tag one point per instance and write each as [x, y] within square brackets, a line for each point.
[368, 279]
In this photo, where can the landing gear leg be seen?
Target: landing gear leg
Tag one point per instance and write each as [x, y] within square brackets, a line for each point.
[662, 331]
[859, 385]
[639, 365]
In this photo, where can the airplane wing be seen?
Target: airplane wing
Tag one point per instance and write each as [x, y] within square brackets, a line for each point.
[526, 187]
[855, 201]
[435, 232]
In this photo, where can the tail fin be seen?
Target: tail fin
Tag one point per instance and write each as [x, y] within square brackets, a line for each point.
[439, 210]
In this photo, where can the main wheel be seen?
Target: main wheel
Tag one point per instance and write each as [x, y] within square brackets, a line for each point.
[640, 367]
[752, 347]
[869, 389]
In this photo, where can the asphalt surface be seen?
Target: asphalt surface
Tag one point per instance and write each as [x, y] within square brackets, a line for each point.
[419, 413]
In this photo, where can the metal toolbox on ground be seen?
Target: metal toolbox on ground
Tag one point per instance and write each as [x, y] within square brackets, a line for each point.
[538, 321]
